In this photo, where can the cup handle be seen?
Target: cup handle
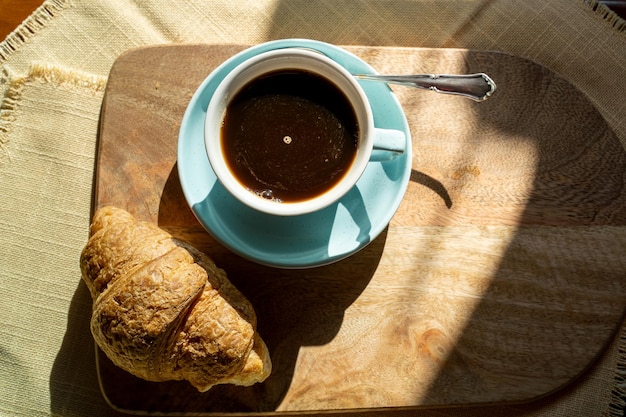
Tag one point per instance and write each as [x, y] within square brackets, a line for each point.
[388, 144]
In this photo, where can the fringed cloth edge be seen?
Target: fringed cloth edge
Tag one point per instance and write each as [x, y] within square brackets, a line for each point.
[7, 115]
[612, 18]
[53, 74]
[31, 26]
[617, 405]
[618, 394]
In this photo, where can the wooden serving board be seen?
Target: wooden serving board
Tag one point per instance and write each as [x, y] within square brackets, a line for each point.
[501, 277]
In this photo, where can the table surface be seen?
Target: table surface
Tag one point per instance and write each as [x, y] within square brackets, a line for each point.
[13, 12]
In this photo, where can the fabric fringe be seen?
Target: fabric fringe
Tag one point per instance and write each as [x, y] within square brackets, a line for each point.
[69, 77]
[56, 75]
[617, 406]
[7, 115]
[612, 18]
[29, 27]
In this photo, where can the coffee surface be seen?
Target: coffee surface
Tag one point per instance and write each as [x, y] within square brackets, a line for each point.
[289, 135]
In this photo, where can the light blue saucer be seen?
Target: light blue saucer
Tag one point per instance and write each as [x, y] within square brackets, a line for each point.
[304, 241]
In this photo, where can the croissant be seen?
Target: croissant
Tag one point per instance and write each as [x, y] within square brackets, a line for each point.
[162, 310]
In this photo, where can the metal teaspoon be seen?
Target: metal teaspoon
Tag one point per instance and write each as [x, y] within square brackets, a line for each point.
[478, 86]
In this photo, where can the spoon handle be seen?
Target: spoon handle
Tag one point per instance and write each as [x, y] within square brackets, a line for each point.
[475, 86]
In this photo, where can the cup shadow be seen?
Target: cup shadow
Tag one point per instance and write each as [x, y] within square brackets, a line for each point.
[295, 308]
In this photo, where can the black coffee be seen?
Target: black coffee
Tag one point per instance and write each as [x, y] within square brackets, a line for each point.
[289, 135]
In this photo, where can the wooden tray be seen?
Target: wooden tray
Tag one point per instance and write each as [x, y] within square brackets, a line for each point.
[500, 279]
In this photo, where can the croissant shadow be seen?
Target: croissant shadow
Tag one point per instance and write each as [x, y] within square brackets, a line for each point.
[73, 374]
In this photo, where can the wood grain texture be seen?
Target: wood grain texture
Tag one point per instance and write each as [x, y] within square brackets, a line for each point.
[500, 278]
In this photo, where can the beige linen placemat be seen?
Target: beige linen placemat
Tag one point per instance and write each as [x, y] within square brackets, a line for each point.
[53, 71]
[48, 125]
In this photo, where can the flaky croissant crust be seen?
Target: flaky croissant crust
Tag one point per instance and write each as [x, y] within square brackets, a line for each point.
[164, 311]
